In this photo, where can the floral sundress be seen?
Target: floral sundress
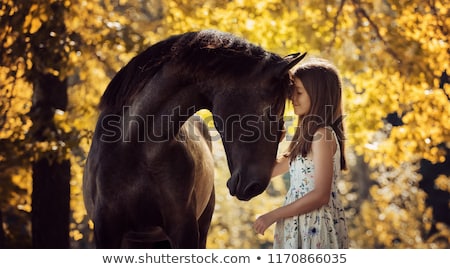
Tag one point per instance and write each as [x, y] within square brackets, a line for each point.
[322, 228]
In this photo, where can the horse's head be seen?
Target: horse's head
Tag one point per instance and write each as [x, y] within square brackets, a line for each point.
[249, 116]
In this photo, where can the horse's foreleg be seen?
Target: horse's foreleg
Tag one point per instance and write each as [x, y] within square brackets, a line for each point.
[185, 233]
[205, 221]
[108, 231]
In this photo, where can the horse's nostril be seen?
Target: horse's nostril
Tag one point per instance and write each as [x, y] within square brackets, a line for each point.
[242, 191]
[233, 184]
[252, 190]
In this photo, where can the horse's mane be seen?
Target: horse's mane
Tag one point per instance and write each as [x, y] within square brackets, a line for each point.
[207, 53]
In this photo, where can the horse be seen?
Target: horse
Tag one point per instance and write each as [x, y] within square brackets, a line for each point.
[148, 180]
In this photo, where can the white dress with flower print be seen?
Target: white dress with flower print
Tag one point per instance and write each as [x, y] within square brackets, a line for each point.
[321, 228]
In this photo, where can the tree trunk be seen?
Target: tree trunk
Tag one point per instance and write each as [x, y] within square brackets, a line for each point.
[51, 173]
[50, 213]
[2, 232]
[51, 207]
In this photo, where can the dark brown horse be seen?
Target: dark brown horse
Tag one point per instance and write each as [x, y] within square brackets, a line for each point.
[148, 178]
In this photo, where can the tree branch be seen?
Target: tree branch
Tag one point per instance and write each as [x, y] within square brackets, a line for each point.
[441, 25]
[335, 21]
[361, 11]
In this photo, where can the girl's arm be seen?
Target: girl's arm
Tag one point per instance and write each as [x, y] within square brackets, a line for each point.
[281, 165]
[323, 149]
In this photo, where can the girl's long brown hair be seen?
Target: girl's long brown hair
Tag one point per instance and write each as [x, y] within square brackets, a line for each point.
[323, 85]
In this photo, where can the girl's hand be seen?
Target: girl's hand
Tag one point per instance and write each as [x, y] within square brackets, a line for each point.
[263, 222]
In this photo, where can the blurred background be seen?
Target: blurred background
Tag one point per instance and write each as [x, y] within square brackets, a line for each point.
[57, 57]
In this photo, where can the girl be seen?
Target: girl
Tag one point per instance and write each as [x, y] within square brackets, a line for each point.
[312, 215]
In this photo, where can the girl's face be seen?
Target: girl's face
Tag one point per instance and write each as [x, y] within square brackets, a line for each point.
[300, 99]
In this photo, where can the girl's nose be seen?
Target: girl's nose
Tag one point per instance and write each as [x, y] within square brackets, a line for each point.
[292, 97]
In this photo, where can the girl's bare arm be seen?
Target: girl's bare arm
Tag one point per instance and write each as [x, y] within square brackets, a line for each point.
[323, 148]
[281, 166]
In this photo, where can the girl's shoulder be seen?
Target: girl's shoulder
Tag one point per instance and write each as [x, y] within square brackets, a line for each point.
[325, 133]
[325, 136]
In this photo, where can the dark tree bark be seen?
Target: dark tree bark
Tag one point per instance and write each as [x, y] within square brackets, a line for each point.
[51, 211]
[2, 232]
[51, 173]
[51, 169]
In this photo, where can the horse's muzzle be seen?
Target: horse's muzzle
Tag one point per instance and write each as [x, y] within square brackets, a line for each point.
[244, 190]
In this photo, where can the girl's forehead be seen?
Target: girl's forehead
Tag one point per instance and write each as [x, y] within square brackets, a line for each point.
[298, 83]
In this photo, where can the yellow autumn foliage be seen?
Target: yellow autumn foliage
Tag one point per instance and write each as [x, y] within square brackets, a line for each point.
[391, 55]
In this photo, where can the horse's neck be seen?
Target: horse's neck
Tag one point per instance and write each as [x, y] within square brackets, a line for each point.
[164, 111]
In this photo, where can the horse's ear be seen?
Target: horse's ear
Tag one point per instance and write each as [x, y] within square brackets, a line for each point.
[290, 61]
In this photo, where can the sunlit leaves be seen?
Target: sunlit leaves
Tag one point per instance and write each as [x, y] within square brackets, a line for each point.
[397, 216]
[390, 54]
[266, 23]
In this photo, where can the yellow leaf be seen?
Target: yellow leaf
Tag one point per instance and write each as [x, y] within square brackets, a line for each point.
[35, 25]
